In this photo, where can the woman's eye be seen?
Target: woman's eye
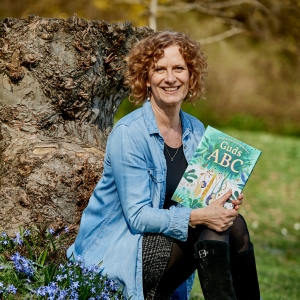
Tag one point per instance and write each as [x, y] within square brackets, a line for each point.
[179, 68]
[159, 70]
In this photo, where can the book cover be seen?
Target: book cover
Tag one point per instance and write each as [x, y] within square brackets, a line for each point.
[219, 163]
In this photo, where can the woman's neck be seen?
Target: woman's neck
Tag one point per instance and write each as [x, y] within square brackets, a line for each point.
[169, 125]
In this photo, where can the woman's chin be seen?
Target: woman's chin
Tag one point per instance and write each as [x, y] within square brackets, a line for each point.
[170, 101]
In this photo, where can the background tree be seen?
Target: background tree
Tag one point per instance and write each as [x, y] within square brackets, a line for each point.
[253, 50]
[61, 84]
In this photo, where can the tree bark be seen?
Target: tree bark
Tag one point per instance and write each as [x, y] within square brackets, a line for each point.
[61, 82]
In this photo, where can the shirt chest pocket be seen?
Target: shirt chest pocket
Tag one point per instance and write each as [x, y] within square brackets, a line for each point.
[156, 182]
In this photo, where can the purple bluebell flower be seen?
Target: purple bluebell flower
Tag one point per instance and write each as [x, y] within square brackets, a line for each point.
[74, 295]
[27, 232]
[112, 285]
[18, 240]
[75, 285]
[22, 264]
[51, 289]
[59, 277]
[105, 296]
[69, 264]
[41, 291]
[16, 256]
[12, 289]
[62, 295]
[51, 230]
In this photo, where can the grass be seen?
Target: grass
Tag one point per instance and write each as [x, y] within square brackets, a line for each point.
[272, 210]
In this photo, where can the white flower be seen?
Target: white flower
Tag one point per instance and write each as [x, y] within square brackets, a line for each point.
[284, 231]
[297, 226]
[255, 224]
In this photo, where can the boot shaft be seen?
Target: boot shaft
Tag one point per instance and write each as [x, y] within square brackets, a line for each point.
[244, 275]
[214, 270]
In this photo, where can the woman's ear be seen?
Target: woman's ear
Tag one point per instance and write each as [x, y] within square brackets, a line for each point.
[147, 83]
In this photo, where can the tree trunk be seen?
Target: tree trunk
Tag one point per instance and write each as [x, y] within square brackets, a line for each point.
[61, 82]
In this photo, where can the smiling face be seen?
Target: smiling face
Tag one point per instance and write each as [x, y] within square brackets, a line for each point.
[169, 79]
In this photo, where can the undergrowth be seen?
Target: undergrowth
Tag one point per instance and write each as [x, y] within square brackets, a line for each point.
[33, 265]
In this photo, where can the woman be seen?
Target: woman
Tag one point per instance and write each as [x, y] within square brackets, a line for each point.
[145, 241]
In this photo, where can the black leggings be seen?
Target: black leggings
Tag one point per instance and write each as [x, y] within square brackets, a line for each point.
[182, 263]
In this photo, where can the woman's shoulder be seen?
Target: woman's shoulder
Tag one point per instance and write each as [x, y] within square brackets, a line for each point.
[132, 124]
[130, 118]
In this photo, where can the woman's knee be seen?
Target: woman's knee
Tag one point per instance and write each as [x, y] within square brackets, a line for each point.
[239, 237]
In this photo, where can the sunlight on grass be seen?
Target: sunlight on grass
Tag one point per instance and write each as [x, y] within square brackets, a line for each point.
[272, 210]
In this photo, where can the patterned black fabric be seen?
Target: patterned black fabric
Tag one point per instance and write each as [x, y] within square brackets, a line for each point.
[156, 254]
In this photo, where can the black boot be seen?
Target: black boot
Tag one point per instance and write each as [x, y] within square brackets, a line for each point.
[214, 270]
[244, 275]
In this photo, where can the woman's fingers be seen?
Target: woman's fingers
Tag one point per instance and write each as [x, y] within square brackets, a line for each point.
[237, 202]
[224, 198]
[219, 218]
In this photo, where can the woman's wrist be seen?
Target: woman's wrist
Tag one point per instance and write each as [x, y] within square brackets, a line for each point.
[191, 222]
[191, 225]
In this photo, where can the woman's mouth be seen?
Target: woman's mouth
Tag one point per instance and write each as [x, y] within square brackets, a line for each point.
[171, 89]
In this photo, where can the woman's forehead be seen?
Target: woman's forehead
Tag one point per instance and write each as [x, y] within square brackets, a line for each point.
[170, 52]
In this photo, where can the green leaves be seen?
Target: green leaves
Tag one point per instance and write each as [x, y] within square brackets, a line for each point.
[190, 174]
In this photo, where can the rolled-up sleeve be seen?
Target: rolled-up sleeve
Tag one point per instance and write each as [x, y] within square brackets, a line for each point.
[132, 178]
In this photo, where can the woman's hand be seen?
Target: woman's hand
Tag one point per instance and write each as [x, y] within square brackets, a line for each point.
[215, 216]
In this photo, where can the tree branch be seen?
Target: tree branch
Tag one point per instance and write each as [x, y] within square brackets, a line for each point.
[222, 36]
[185, 7]
[129, 1]
[218, 5]
[232, 22]
[152, 14]
[230, 3]
[213, 9]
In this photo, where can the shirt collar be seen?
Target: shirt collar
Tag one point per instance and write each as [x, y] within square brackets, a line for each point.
[151, 121]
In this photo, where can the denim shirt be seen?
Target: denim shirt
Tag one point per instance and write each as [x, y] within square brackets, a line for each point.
[128, 199]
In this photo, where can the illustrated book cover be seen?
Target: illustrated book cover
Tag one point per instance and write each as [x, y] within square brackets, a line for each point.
[219, 163]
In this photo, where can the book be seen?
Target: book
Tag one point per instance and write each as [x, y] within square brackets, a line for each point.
[219, 163]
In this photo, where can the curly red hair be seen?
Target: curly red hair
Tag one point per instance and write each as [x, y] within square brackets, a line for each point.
[148, 51]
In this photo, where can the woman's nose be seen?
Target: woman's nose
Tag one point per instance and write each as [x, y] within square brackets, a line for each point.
[170, 78]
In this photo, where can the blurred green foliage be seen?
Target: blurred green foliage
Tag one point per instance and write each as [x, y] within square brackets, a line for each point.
[253, 76]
